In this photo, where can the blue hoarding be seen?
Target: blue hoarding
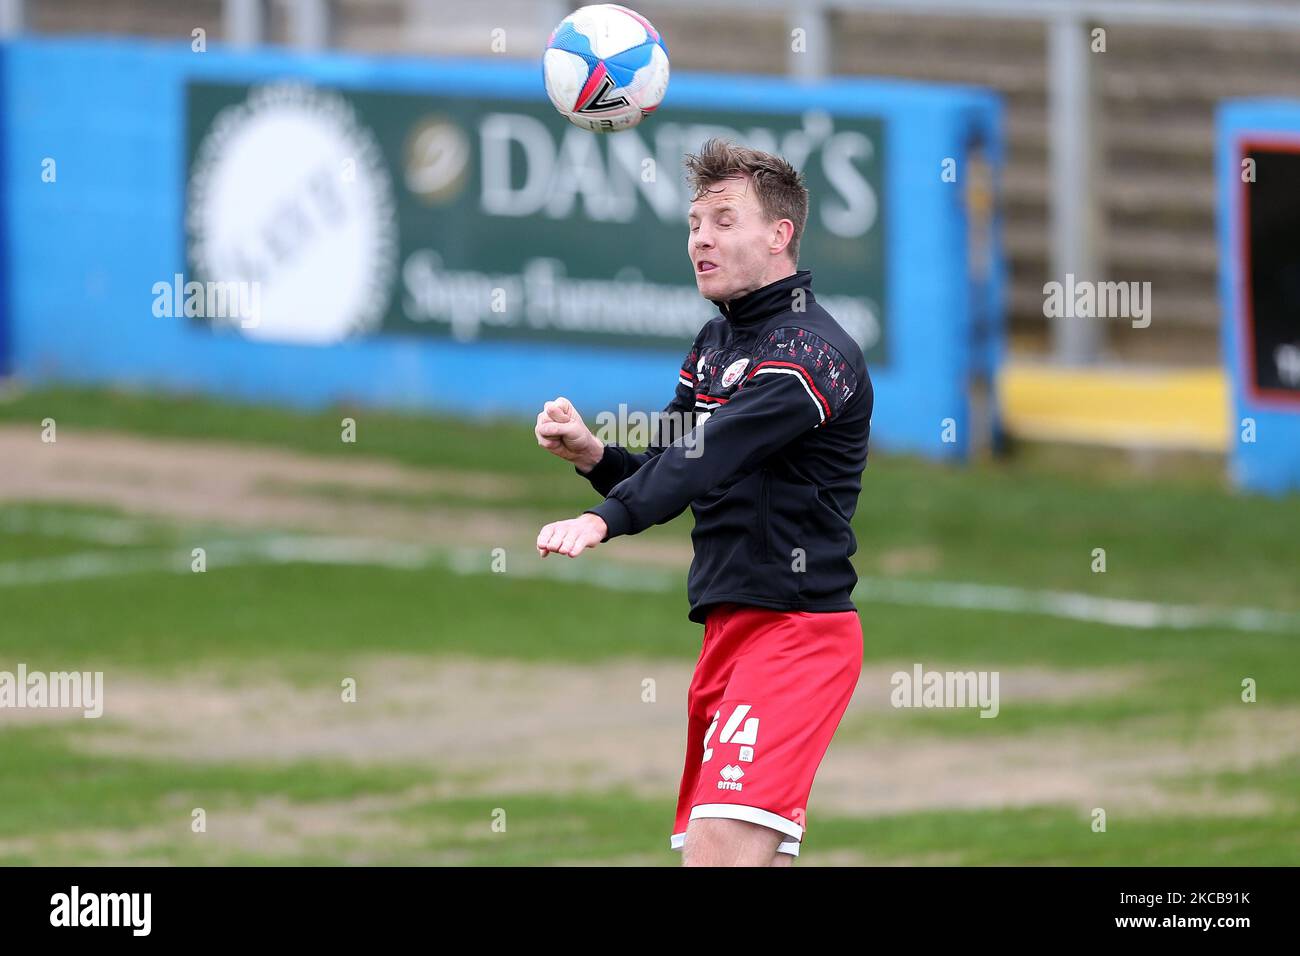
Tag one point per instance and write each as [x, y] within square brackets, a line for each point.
[91, 246]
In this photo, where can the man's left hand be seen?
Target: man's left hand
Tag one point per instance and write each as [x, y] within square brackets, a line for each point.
[573, 536]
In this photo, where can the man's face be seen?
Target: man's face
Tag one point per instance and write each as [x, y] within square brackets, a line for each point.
[729, 240]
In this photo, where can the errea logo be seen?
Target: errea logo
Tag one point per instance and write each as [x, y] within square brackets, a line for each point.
[730, 775]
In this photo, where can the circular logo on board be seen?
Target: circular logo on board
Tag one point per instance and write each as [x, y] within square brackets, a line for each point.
[289, 193]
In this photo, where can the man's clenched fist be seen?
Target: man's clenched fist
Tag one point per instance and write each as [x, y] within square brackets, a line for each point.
[572, 537]
[561, 431]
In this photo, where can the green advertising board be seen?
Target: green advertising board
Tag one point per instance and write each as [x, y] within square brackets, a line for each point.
[385, 213]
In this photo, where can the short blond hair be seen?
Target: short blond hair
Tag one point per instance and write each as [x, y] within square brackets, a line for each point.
[780, 188]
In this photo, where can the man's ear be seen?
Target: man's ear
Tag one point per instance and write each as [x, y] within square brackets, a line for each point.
[782, 235]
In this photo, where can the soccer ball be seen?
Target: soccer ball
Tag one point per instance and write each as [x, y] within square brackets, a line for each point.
[605, 67]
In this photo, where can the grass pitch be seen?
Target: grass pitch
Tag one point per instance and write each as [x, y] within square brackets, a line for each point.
[223, 689]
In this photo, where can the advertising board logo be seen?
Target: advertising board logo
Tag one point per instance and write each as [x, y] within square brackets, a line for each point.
[289, 189]
[437, 160]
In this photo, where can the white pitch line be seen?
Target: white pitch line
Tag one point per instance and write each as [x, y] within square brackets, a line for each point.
[96, 528]
[1119, 612]
[335, 550]
[87, 564]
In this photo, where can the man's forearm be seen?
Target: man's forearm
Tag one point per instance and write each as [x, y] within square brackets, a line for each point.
[616, 464]
[607, 465]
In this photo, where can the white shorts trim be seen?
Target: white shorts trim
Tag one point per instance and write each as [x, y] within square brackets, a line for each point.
[738, 811]
[791, 847]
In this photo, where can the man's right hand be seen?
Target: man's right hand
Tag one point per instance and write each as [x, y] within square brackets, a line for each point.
[561, 431]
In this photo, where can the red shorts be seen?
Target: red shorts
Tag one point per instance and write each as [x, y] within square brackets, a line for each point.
[768, 692]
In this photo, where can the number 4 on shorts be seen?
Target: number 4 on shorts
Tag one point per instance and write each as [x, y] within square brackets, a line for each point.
[748, 736]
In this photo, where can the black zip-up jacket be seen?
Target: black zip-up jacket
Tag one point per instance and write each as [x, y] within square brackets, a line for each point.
[775, 401]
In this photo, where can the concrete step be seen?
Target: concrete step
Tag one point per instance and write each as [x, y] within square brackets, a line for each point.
[149, 18]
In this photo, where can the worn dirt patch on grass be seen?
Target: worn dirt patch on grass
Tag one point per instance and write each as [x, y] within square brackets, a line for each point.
[359, 830]
[251, 487]
[503, 727]
[494, 729]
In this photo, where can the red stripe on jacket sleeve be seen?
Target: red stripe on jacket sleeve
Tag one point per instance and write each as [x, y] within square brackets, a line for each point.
[812, 386]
